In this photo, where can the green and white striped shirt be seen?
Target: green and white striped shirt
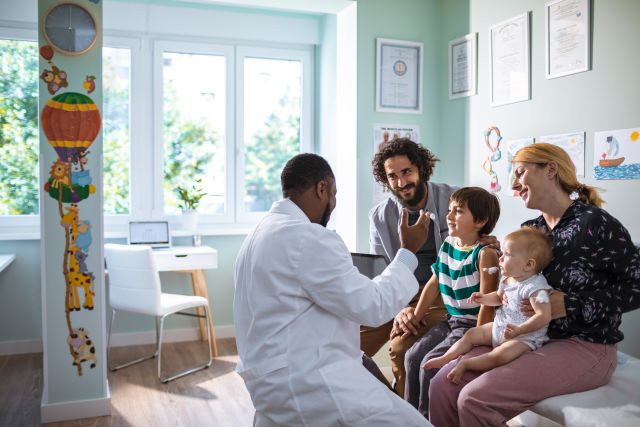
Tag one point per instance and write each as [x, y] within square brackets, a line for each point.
[458, 277]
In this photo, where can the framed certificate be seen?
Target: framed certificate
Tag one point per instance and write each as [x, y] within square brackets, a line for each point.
[462, 66]
[398, 76]
[510, 51]
[567, 37]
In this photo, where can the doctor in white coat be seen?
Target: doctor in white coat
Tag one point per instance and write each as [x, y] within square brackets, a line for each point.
[299, 303]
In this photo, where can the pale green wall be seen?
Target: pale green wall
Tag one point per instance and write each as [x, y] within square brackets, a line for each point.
[414, 20]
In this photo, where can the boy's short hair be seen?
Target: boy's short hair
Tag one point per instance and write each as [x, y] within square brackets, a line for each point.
[536, 243]
[482, 204]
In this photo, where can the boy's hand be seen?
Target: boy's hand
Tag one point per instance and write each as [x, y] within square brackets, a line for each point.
[511, 331]
[413, 237]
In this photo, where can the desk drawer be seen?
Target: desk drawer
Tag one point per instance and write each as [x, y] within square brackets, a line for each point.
[175, 260]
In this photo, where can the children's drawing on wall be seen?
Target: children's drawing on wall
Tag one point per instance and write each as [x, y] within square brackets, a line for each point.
[71, 122]
[572, 143]
[492, 139]
[384, 134]
[616, 154]
[511, 148]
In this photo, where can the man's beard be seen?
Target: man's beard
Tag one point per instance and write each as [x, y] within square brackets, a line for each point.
[326, 215]
[421, 190]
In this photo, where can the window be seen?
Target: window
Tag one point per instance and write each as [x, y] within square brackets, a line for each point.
[194, 95]
[209, 95]
[116, 75]
[174, 113]
[18, 127]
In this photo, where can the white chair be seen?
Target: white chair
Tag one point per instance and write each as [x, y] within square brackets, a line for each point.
[134, 286]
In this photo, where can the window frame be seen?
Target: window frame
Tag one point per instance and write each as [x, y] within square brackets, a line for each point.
[146, 124]
[119, 222]
[227, 51]
[17, 226]
[305, 56]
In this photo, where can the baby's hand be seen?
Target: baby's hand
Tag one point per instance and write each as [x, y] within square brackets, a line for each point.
[511, 331]
[475, 297]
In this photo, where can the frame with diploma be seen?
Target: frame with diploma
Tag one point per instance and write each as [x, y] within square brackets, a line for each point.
[462, 66]
[567, 37]
[510, 51]
[398, 76]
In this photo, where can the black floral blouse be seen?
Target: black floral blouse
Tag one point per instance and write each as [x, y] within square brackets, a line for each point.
[597, 266]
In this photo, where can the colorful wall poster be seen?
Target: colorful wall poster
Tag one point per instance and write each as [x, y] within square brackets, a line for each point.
[572, 143]
[382, 135]
[616, 154]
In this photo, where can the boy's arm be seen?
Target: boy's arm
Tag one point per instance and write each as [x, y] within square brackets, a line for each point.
[540, 319]
[428, 297]
[408, 320]
[488, 284]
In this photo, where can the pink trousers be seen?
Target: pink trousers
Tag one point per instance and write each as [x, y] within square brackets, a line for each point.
[492, 398]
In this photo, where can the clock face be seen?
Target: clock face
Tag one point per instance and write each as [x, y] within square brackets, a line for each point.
[70, 28]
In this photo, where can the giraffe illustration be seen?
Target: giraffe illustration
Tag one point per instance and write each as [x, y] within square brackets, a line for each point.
[76, 277]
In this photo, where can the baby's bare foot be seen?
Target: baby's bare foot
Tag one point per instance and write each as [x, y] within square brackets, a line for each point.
[435, 363]
[455, 375]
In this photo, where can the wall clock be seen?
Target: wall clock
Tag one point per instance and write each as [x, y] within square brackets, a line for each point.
[70, 28]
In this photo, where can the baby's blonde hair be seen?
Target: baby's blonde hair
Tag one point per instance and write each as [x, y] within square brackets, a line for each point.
[535, 243]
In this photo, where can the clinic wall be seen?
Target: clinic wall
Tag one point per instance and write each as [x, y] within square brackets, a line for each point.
[604, 98]
[413, 20]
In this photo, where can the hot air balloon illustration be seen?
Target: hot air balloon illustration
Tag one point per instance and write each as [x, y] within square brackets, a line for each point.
[71, 121]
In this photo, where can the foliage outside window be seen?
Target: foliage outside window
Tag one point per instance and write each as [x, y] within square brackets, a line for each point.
[18, 128]
[116, 70]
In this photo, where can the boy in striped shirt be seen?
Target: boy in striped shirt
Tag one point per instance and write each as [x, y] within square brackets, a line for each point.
[457, 273]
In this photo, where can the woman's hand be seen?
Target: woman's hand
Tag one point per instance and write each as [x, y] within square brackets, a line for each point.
[490, 241]
[556, 298]
[405, 323]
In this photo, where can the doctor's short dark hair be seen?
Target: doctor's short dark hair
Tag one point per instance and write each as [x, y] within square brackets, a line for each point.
[303, 171]
[482, 204]
[424, 159]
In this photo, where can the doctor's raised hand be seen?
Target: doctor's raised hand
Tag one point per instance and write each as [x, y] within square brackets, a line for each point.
[413, 237]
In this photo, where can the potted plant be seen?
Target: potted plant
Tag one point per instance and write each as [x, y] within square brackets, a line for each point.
[189, 199]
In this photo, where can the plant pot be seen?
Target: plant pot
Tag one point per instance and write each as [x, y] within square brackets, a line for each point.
[190, 221]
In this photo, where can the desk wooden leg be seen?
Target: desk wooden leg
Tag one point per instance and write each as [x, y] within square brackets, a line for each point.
[199, 284]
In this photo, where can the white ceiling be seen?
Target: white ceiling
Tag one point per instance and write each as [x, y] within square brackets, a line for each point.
[309, 6]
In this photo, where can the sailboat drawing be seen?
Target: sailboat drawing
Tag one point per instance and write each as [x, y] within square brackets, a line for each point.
[608, 159]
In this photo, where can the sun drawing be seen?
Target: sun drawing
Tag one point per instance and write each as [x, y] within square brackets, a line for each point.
[634, 136]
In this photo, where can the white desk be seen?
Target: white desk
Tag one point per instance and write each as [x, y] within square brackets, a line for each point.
[192, 260]
[5, 260]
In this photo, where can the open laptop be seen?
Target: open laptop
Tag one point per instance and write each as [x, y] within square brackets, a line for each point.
[368, 264]
[151, 233]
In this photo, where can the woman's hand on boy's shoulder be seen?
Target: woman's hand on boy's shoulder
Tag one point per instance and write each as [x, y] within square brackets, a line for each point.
[490, 241]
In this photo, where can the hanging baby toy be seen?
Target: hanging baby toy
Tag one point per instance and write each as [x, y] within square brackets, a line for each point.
[487, 164]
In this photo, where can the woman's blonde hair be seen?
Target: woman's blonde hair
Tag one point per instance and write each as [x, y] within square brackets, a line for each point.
[542, 153]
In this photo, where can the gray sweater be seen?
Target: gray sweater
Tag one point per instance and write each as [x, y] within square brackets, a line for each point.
[384, 220]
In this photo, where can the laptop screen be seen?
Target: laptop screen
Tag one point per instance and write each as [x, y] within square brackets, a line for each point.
[368, 264]
[152, 233]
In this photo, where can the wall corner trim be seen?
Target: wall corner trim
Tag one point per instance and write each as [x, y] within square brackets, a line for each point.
[51, 412]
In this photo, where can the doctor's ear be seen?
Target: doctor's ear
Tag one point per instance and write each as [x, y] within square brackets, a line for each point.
[321, 188]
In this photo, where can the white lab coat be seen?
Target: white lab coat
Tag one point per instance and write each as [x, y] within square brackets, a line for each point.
[299, 303]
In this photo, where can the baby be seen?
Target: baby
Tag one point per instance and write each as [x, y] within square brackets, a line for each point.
[525, 254]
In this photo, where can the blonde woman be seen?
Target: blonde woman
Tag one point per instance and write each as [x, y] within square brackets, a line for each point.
[596, 272]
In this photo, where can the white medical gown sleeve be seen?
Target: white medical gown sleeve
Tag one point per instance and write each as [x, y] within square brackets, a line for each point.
[330, 279]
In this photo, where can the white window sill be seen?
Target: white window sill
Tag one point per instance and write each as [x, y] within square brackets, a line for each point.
[33, 233]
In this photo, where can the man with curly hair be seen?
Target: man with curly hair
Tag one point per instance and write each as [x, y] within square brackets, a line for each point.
[405, 168]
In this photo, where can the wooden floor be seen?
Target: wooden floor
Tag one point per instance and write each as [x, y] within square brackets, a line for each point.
[212, 397]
